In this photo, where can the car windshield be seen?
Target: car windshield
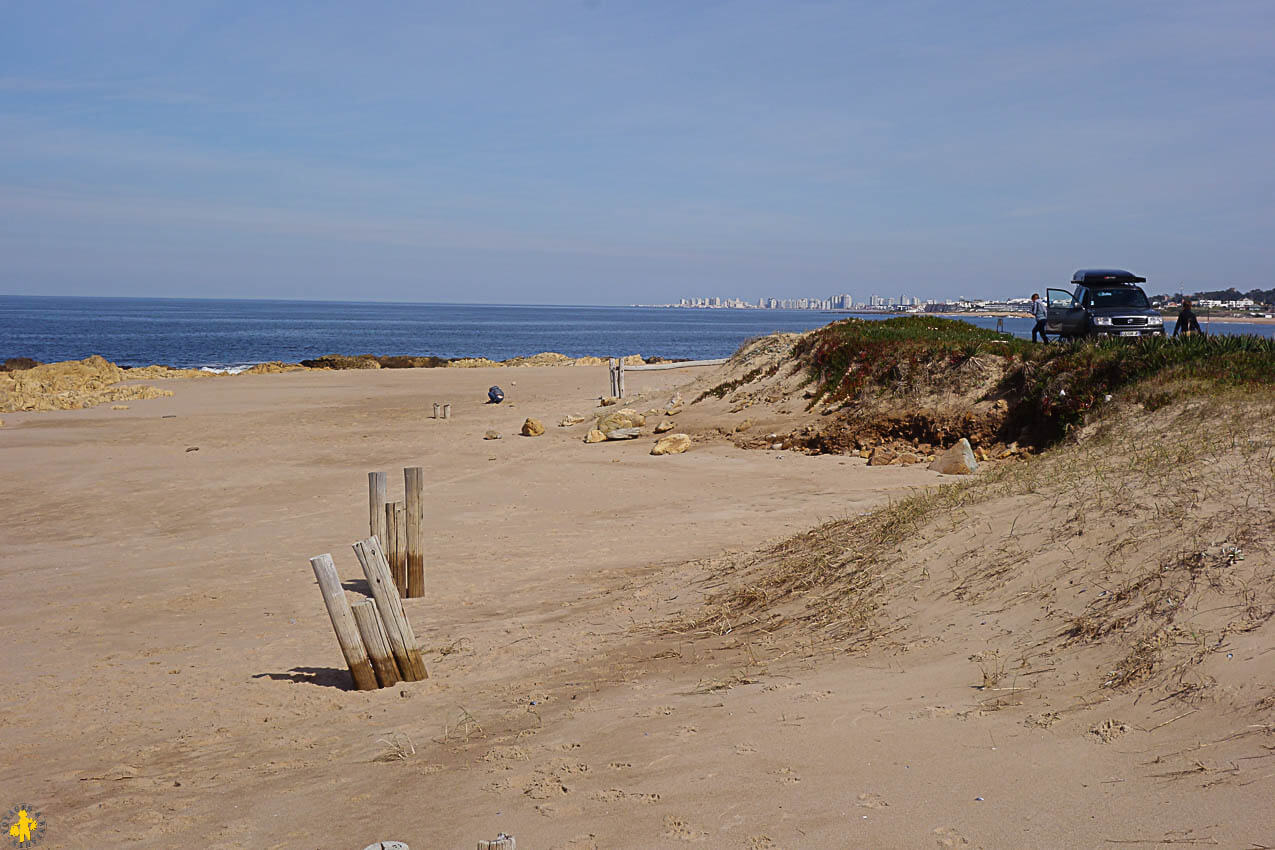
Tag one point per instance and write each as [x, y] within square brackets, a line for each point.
[1123, 296]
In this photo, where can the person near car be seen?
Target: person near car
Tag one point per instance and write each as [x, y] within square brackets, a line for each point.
[1040, 312]
[1187, 322]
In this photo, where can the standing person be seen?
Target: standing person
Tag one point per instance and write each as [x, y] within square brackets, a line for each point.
[1040, 312]
[1187, 323]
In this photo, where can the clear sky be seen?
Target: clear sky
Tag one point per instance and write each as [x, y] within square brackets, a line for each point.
[596, 151]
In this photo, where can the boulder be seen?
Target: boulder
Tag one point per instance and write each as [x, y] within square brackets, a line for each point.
[607, 401]
[908, 458]
[594, 436]
[625, 417]
[743, 426]
[865, 453]
[673, 444]
[882, 456]
[663, 427]
[958, 460]
[569, 420]
[623, 434]
[492, 435]
[673, 410]
[654, 411]
[532, 427]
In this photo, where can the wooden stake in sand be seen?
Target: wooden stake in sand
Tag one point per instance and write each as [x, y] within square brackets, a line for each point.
[615, 386]
[347, 632]
[395, 544]
[414, 498]
[376, 505]
[502, 842]
[378, 645]
[619, 377]
[407, 652]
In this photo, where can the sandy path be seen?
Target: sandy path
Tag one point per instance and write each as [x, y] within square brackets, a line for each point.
[161, 614]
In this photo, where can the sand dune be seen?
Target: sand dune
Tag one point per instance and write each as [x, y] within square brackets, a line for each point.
[731, 647]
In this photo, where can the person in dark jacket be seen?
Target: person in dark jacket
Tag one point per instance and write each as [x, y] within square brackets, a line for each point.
[1187, 323]
[1040, 312]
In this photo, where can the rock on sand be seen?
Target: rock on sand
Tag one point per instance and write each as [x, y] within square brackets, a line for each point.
[958, 460]
[594, 436]
[673, 444]
[532, 427]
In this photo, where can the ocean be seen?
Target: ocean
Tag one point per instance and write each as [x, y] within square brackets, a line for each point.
[229, 335]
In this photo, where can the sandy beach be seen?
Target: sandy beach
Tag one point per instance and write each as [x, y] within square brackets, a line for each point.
[173, 679]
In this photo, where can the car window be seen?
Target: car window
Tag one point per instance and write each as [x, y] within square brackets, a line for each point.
[1059, 298]
[1123, 296]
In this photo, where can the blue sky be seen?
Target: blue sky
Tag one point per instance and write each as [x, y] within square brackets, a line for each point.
[615, 152]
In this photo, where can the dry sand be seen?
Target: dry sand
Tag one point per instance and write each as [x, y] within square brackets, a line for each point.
[172, 679]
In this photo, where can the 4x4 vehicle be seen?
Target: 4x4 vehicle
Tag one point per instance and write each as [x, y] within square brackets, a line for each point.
[1105, 302]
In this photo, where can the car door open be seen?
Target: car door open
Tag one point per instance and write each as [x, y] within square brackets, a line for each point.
[1061, 318]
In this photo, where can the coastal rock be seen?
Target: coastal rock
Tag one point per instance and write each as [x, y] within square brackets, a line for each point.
[623, 434]
[865, 453]
[980, 454]
[607, 401]
[493, 435]
[569, 420]
[654, 411]
[625, 417]
[18, 364]
[674, 410]
[958, 460]
[75, 384]
[594, 436]
[633, 360]
[673, 444]
[472, 363]
[907, 459]
[343, 361]
[882, 456]
[676, 400]
[743, 426]
[663, 427]
[590, 361]
[532, 427]
[544, 358]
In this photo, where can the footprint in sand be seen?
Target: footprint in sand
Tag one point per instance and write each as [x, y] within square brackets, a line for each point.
[616, 795]
[871, 801]
[744, 749]
[681, 829]
[946, 836]
[620, 765]
[759, 842]
[686, 732]
[786, 774]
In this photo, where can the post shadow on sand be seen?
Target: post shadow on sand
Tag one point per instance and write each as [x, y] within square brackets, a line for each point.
[358, 585]
[326, 677]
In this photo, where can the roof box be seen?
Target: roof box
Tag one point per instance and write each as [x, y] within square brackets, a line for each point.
[1106, 277]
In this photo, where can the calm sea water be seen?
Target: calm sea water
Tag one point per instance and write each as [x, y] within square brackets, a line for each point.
[221, 334]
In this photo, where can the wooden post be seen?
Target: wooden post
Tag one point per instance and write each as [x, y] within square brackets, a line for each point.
[447, 411]
[376, 505]
[619, 378]
[502, 842]
[372, 631]
[347, 632]
[407, 652]
[437, 407]
[414, 536]
[395, 547]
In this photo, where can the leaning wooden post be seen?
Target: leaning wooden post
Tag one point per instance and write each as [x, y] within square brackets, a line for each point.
[347, 631]
[378, 645]
[414, 501]
[619, 378]
[376, 505]
[407, 652]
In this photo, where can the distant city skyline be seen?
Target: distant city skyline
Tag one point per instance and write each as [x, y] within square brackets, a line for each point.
[611, 152]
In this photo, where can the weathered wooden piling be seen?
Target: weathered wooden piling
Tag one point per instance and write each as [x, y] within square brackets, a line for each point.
[447, 411]
[376, 489]
[347, 631]
[403, 644]
[619, 377]
[438, 408]
[372, 630]
[395, 544]
[502, 842]
[414, 536]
